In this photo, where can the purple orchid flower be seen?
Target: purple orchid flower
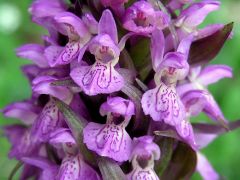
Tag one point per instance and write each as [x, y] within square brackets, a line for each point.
[111, 139]
[195, 91]
[73, 165]
[142, 18]
[77, 32]
[163, 102]
[144, 152]
[101, 77]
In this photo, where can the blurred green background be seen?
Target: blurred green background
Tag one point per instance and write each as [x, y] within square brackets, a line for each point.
[16, 29]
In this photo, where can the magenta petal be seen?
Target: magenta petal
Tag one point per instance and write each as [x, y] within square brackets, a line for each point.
[196, 13]
[25, 111]
[205, 168]
[45, 8]
[49, 169]
[163, 104]
[61, 135]
[213, 73]
[98, 79]
[72, 26]
[108, 140]
[42, 85]
[197, 101]
[157, 45]
[184, 45]
[91, 23]
[52, 53]
[74, 167]
[203, 139]
[21, 141]
[33, 52]
[208, 30]
[108, 26]
[185, 131]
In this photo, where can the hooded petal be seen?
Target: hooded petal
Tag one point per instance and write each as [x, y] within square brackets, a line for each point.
[118, 105]
[73, 167]
[163, 104]
[213, 73]
[108, 140]
[33, 52]
[98, 79]
[144, 146]
[108, 26]
[205, 168]
[72, 26]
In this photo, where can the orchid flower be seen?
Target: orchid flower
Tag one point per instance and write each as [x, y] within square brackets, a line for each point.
[163, 102]
[111, 139]
[101, 77]
[195, 90]
[144, 152]
[141, 17]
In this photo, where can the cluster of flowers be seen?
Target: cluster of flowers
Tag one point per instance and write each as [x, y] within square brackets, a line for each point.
[126, 95]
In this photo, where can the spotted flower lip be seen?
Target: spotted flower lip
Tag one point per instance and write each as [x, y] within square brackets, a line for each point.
[111, 139]
[74, 167]
[142, 18]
